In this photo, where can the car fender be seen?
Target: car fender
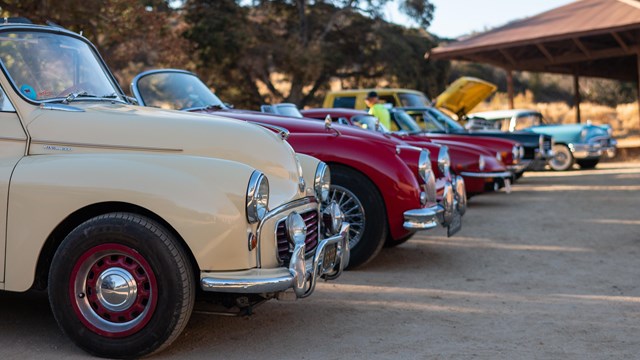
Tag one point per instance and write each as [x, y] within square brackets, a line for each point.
[393, 178]
[201, 198]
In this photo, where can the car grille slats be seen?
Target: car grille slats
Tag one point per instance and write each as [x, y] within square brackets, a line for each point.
[285, 248]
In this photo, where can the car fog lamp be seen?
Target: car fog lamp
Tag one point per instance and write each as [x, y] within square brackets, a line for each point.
[257, 197]
[333, 218]
[481, 163]
[444, 161]
[322, 182]
[296, 228]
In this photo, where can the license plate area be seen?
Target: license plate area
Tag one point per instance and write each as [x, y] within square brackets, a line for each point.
[330, 256]
[456, 224]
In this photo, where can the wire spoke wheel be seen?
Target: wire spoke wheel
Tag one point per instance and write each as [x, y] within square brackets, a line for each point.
[353, 212]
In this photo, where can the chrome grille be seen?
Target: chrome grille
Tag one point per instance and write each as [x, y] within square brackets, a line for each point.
[285, 248]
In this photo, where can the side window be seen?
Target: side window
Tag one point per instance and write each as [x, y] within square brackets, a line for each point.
[429, 123]
[388, 99]
[5, 104]
[348, 102]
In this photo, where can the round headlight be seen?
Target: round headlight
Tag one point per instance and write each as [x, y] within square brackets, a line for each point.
[333, 218]
[322, 182]
[424, 164]
[444, 161]
[257, 197]
[481, 163]
[296, 228]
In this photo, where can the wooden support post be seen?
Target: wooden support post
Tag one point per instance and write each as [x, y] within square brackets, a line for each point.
[576, 89]
[510, 87]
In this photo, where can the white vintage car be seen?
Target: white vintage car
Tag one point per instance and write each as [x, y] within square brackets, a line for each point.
[124, 213]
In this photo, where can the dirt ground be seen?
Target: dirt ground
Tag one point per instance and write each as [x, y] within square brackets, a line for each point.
[549, 271]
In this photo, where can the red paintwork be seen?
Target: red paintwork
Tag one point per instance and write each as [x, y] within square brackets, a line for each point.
[374, 155]
[146, 276]
[464, 156]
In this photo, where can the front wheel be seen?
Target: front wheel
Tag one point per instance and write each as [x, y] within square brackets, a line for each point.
[562, 159]
[363, 209]
[121, 286]
[588, 163]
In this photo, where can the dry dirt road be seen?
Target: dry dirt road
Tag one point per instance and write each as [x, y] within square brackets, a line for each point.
[547, 272]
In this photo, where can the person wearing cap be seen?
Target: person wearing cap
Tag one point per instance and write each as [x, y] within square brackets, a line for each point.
[378, 110]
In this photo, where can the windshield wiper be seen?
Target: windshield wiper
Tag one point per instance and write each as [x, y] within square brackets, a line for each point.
[206, 107]
[83, 94]
[71, 97]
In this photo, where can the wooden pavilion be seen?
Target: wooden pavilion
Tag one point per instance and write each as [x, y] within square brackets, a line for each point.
[595, 38]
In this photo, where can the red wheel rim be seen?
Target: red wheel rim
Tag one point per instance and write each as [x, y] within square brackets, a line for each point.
[113, 290]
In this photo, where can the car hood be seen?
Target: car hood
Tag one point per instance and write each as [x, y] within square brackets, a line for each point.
[464, 94]
[101, 127]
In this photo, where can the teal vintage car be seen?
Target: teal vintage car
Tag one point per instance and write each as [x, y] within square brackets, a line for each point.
[584, 144]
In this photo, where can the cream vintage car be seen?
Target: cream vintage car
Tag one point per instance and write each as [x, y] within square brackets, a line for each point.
[124, 213]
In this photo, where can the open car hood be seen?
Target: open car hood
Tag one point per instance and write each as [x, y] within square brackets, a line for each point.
[464, 94]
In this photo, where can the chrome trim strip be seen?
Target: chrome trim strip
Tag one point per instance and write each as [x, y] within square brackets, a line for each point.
[60, 107]
[503, 174]
[104, 146]
[282, 132]
[6, 138]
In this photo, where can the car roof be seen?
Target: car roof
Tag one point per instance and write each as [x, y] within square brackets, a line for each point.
[378, 90]
[502, 114]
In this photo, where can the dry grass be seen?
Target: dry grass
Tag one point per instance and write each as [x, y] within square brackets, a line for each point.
[623, 118]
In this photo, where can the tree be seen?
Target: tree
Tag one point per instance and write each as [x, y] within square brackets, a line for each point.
[289, 50]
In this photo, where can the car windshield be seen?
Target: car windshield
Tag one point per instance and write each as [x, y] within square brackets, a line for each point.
[404, 122]
[48, 67]
[413, 100]
[175, 91]
[368, 122]
[445, 122]
[528, 120]
[288, 110]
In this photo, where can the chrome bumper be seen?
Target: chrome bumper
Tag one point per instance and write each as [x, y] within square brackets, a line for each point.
[501, 174]
[583, 151]
[301, 275]
[519, 167]
[454, 199]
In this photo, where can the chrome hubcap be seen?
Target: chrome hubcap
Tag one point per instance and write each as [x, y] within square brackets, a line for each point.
[116, 289]
[352, 210]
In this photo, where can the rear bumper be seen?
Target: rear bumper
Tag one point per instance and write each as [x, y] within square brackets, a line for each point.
[301, 275]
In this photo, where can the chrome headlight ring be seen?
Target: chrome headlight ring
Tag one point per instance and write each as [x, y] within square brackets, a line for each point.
[257, 197]
[481, 163]
[322, 182]
[444, 161]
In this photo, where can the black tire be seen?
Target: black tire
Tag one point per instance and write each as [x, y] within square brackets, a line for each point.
[588, 163]
[562, 159]
[368, 231]
[391, 243]
[129, 249]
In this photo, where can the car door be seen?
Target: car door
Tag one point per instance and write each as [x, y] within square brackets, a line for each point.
[13, 142]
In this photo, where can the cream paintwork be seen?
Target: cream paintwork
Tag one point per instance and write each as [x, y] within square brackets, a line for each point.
[164, 161]
[12, 147]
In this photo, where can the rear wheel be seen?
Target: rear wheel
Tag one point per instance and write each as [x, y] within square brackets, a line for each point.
[562, 159]
[121, 286]
[363, 209]
[588, 163]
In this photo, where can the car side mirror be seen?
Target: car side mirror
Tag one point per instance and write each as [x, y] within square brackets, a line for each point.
[328, 122]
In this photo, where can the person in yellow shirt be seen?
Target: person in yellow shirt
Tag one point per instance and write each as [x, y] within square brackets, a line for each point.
[378, 110]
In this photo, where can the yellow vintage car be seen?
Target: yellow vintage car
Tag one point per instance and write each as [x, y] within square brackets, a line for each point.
[125, 213]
